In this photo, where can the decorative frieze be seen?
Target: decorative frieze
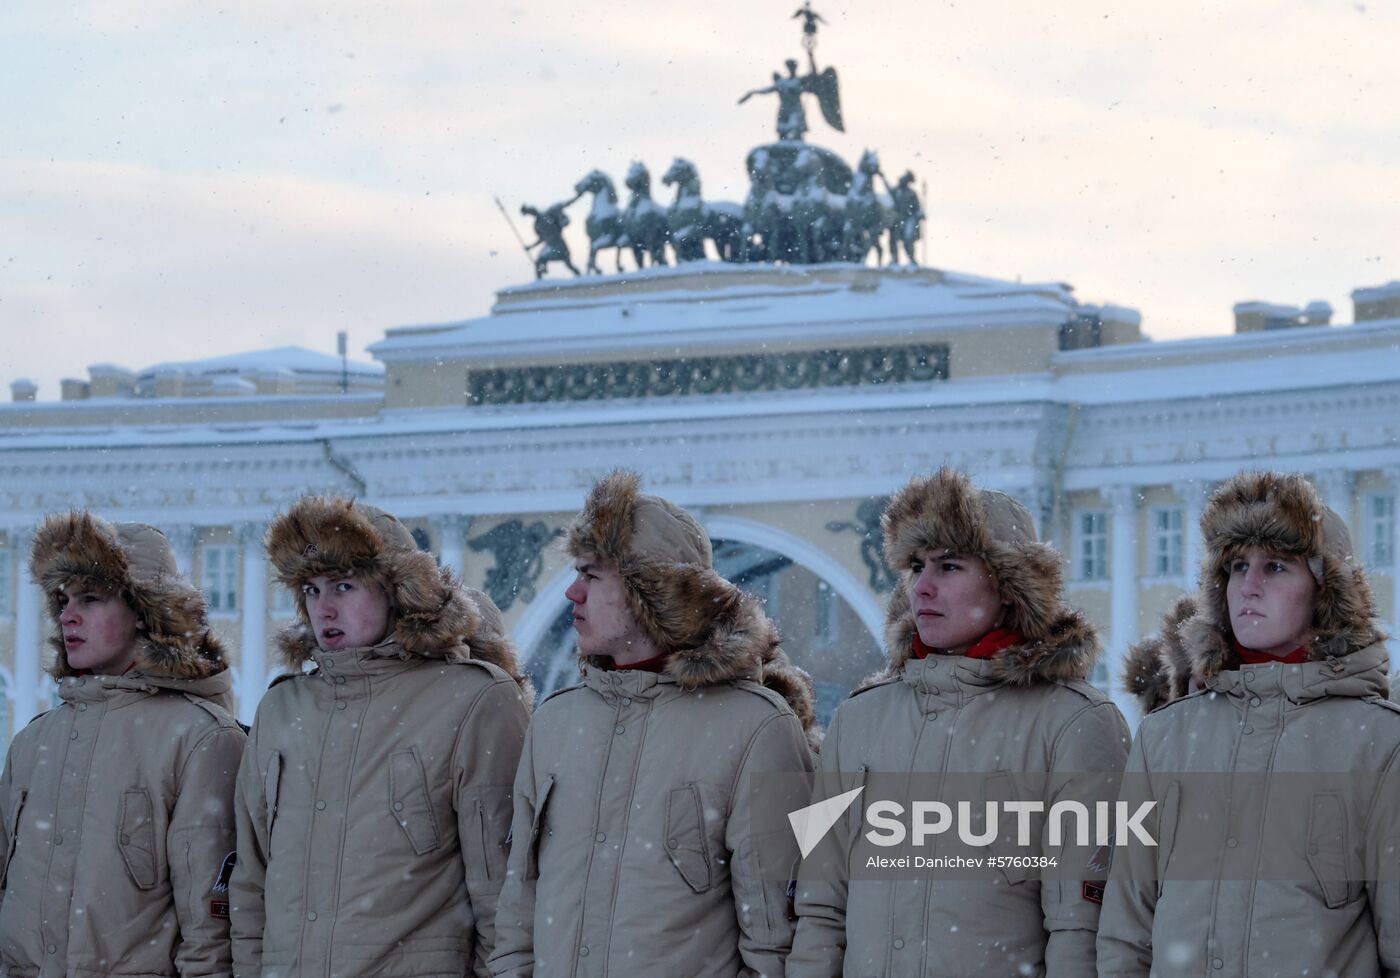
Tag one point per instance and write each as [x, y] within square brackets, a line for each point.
[872, 545]
[519, 551]
[799, 370]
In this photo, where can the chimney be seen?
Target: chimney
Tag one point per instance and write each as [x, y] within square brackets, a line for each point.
[110, 380]
[23, 390]
[169, 382]
[1317, 313]
[1254, 317]
[1379, 302]
[72, 389]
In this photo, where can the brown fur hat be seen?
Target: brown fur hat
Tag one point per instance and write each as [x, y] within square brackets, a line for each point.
[946, 512]
[433, 614]
[713, 631]
[78, 551]
[1280, 513]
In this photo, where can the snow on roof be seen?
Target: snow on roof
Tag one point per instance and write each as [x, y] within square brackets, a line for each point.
[1377, 293]
[713, 304]
[1266, 308]
[294, 359]
[1338, 358]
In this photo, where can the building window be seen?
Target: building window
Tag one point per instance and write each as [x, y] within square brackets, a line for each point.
[1091, 545]
[1168, 542]
[1380, 529]
[220, 577]
[6, 582]
[827, 610]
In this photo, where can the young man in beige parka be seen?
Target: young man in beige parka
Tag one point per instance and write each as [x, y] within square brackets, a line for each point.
[633, 854]
[118, 803]
[1269, 747]
[374, 797]
[986, 682]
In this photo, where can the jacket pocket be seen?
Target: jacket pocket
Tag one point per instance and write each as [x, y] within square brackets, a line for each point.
[1169, 814]
[1327, 849]
[137, 837]
[272, 786]
[486, 850]
[998, 789]
[12, 832]
[537, 823]
[686, 845]
[409, 801]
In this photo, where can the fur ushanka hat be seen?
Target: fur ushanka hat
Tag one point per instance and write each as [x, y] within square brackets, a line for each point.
[78, 551]
[1280, 513]
[946, 512]
[433, 615]
[712, 631]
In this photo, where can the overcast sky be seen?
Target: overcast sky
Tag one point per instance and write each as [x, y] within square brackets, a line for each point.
[181, 180]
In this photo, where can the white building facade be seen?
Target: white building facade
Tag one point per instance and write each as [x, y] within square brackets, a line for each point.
[781, 405]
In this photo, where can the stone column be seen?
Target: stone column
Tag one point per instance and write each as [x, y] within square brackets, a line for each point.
[1393, 475]
[29, 612]
[1039, 501]
[1193, 498]
[1124, 563]
[253, 601]
[182, 537]
[452, 531]
[1334, 486]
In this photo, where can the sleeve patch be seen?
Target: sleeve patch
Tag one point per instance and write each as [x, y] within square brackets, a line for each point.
[225, 873]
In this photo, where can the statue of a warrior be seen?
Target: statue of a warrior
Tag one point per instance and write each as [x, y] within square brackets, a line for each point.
[909, 218]
[549, 232]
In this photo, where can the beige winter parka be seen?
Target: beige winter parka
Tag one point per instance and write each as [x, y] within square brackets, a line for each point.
[632, 813]
[1247, 721]
[1007, 722]
[949, 714]
[117, 805]
[633, 853]
[1279, 779]
[374, 798]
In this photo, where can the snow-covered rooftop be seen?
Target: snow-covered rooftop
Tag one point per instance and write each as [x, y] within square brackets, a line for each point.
[710, 304]
[1169, 372]
[294, 359]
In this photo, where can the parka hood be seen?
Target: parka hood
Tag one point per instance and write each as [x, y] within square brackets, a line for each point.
[78, 551]
[433, 615]
[216, 688]
[947, 512]
[712, 631]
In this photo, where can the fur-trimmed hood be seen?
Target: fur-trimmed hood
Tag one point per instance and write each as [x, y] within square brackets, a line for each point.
[433, 615]
[1280, 514]
[1158, 669]
[78, 551]
[946, 511]
[712, 631]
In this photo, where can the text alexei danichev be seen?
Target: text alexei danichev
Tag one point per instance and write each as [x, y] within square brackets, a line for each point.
[960, 862]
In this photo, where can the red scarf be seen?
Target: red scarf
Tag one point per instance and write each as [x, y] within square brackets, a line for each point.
[1249, 657]
[656, 665]
[984, 648]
